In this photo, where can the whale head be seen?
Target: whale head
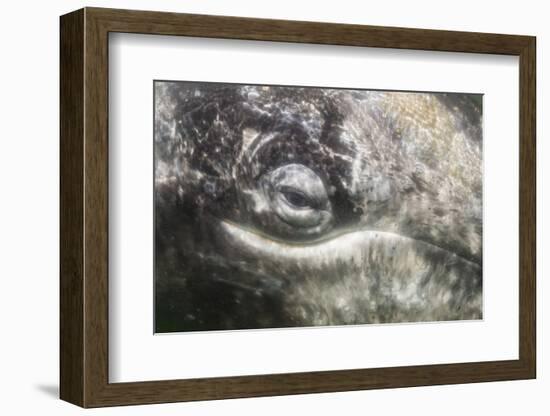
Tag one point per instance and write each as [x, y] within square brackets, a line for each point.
[287, 206]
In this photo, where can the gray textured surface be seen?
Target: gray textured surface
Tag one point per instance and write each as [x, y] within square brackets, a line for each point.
[281, 206]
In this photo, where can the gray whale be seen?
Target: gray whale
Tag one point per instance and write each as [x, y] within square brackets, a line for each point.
[286, 206]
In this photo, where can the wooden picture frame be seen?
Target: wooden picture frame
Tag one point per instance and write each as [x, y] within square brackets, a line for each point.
[84, 207]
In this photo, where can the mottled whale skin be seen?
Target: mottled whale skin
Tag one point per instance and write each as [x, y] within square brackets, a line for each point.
[285, 206]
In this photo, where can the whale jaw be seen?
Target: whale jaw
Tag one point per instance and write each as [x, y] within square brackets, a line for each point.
[359, 277]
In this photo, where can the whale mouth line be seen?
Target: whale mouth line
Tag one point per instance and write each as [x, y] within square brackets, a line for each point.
[254, 238]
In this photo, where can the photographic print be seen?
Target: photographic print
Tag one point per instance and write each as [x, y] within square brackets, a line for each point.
[289, 206]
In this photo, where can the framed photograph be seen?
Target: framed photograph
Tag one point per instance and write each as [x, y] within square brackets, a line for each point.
[257, 207]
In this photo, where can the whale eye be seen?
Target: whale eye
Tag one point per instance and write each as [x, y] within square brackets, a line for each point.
[298, 198]
[295, 197]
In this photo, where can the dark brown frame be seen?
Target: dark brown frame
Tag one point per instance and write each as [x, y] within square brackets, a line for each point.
[84, 208]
